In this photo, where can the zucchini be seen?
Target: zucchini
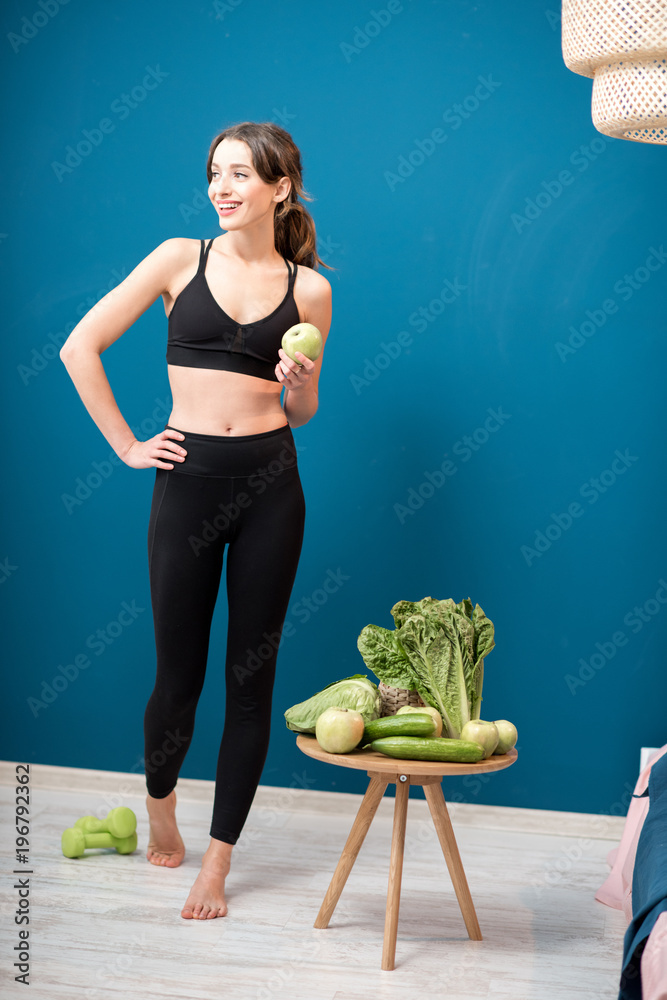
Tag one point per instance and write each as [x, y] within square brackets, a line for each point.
[421, 748]
[399, 725]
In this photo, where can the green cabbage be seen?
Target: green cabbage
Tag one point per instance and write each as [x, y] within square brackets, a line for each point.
[356, 692]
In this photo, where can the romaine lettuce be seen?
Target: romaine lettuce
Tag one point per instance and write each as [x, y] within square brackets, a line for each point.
[381, 649]
[437, 649]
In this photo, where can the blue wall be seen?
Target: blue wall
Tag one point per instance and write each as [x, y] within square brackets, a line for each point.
[474, 278]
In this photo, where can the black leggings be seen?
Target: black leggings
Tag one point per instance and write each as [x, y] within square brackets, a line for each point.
[244, 492]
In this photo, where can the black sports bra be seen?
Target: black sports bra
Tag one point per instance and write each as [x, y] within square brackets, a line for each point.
[202, 335]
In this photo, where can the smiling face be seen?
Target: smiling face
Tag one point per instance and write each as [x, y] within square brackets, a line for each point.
[239, 195]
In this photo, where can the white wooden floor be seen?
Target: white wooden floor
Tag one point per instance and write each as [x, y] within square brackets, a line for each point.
[107, 925]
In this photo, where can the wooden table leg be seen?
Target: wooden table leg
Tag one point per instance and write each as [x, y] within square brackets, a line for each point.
[395, 873]
[364, 818]
[443, 826]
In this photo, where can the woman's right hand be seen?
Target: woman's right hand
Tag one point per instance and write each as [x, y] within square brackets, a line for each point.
[146, 454]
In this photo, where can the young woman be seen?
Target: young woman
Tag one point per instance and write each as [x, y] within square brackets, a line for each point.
[226, 470]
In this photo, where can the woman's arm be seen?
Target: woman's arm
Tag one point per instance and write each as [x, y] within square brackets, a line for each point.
[301, 397]
[100, 327]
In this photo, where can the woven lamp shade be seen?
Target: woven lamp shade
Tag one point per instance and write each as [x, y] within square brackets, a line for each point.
[622, 45]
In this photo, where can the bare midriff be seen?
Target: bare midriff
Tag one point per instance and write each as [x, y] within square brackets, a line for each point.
[207, 401]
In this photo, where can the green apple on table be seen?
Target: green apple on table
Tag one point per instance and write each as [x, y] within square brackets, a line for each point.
[484, 733]
[339, 730]
[424, 709]
[302, 337]
[507, 735]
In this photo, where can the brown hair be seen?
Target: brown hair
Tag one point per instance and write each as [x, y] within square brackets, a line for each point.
[275, 155]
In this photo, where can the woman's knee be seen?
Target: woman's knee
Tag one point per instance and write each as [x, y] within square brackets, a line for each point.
[177, 705]
[251, 707]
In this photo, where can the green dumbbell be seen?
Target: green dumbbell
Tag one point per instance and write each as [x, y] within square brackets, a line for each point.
[120, 823]
[75, 841]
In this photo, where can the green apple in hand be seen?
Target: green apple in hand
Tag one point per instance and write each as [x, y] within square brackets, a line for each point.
[302, 337]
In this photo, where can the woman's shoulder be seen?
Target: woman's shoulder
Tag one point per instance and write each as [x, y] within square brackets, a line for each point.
[314, 297]
[175, 254]
[179, 245]
[311, 281]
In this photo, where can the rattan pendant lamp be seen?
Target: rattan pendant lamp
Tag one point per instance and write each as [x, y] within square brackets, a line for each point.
[622, 45]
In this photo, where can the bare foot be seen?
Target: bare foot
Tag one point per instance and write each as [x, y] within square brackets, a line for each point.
[207, 896]
[165, 846]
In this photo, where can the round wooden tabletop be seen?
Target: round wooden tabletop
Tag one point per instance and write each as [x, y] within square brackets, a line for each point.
[371, 760]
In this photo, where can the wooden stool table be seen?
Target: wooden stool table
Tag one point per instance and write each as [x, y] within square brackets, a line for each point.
[381, 771]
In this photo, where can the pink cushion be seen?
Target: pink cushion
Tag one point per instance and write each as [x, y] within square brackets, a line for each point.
[654, 962]
[616, 890]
